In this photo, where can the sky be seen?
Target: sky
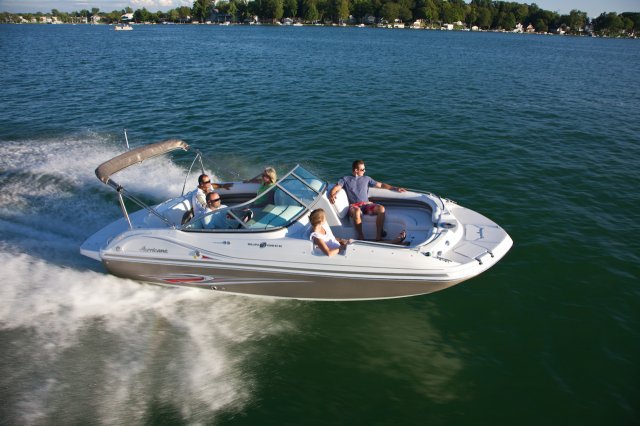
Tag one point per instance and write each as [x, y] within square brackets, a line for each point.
[593, 7]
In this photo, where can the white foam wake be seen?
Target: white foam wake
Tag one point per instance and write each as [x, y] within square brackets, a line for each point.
[78, 344]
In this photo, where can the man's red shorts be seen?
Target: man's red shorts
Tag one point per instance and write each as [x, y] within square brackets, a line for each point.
[365, 208]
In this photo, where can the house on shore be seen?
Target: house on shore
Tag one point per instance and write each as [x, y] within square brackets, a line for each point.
[369, 19]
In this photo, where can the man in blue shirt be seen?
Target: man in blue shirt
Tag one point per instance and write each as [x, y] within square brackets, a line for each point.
[215, 219]
[357, 188]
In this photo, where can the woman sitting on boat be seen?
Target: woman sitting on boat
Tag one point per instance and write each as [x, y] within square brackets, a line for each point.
[323, 237]
[266, 179]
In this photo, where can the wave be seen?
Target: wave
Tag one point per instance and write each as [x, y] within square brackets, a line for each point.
[70, 332]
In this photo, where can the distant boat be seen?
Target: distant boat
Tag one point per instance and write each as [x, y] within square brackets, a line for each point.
[123, 27]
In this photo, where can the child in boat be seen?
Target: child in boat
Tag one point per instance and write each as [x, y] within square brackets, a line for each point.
[322, 236]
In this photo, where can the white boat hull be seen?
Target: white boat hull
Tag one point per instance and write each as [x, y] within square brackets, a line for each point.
[273, 264]
[270, 254]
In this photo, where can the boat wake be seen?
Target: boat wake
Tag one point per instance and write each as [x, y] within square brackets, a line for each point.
[79, 344]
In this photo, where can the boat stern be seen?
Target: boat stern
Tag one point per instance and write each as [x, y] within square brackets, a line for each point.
[92, 246]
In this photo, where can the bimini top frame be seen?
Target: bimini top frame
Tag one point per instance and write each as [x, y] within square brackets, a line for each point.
[136, 156]
[106, 170]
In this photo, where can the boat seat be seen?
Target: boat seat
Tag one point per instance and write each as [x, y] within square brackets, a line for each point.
[281, 198]
[176, 212]
[341, 205]
[275, 216]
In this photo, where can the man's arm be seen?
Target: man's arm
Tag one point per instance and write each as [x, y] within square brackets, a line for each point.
[334, 191]
[389, 187]
[221, 185]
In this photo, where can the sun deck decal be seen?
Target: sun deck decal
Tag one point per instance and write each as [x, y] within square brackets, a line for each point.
[183, 278]
[196, 279]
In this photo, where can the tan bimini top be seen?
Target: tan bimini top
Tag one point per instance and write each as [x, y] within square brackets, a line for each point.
[136, 156]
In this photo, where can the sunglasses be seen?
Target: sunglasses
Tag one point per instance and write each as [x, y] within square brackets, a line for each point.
[213, 200]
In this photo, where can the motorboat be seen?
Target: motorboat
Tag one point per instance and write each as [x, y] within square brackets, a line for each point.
[268, 252]
[123, 27]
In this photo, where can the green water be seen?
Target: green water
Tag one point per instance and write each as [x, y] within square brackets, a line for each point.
[541, 134]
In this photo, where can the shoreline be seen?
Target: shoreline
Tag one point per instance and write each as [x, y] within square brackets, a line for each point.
[376, 27]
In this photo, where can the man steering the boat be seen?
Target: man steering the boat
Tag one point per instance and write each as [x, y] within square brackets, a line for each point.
[215, 218]
[199, 197]
[357, 188]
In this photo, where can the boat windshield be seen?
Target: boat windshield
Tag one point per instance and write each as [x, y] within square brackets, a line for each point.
[279, 206]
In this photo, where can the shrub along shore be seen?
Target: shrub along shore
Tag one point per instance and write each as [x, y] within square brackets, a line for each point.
[432, 14]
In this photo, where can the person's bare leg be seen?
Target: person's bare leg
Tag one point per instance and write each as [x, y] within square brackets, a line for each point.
[356, 215]
[379, 221]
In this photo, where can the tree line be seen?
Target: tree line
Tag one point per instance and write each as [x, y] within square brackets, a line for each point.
[484, 14]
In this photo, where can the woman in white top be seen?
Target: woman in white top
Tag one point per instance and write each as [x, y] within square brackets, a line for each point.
[322, 236]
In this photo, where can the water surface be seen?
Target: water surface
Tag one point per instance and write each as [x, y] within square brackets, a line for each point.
[541, 134]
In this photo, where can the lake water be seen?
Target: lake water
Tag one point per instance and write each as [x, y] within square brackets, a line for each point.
[541, 134]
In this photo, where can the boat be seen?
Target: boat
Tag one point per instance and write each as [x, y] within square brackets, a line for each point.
[123, 27]
[271, 253]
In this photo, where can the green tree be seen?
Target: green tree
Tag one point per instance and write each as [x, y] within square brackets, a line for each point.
[430, 11]
[634, 17]
[336, 9]
[290, 8]
[271, 9]
[541, 25]
[359, 8]
[310, 10]
[233, 10]
[390, 11]
[342, 9]
[173, 15]
[608, 23]
[242, 9]
[577, 20]
[471, 16]
[184, 13]
[507, 21]
[142, 15]
[406, 9]
[202, 9]
[114, 16]
[450, 13]
[521, 12]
